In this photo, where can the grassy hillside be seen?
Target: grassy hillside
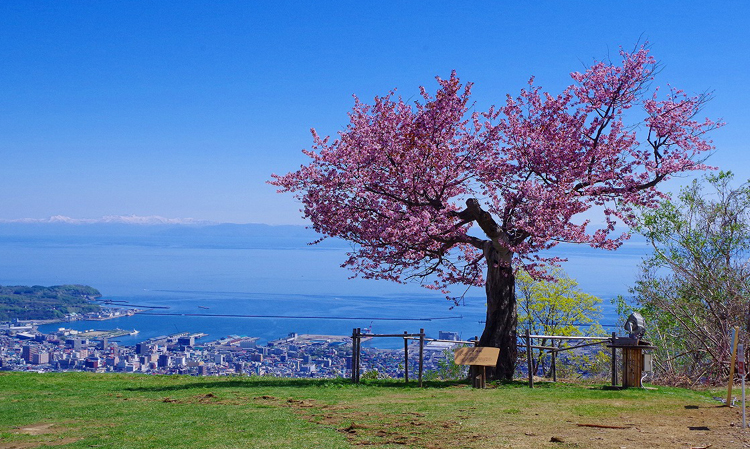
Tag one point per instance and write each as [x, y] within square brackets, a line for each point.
[82, 410]
[46, 303]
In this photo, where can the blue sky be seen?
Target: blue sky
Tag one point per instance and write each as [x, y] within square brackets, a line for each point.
[184, 109]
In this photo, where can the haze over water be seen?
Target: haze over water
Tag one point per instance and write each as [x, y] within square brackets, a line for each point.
[267, 272]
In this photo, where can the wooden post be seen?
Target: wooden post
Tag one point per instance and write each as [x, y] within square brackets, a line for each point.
[528, 358]
[554, 365]
[421, 355]
[476, 341]
[614, 360]
[354, 354]
[406, 359]
[356, 357]
[735, 335]
[359, 354]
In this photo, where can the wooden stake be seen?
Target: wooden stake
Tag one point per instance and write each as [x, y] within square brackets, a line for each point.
[603, 426]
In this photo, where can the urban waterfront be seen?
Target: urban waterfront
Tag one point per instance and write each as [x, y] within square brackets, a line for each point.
[256, 290]
[269, 316]
[24, 348]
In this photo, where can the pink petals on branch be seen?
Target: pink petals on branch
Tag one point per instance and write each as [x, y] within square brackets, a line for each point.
[394, 180]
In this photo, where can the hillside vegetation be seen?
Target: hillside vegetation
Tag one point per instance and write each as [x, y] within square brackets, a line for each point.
[82, 410]
[46, 303]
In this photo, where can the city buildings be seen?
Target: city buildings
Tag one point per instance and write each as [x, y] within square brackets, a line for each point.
[316, 356]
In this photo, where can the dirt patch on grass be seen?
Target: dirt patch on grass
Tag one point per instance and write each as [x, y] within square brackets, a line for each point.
[30, 445]
[206, 399]
[546, 425]
[378, 429]
[18, 445]
[46, 433]
[295, 403]
[37, 429]
[706, 426]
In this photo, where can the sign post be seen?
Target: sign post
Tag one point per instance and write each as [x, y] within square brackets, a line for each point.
[733, 349]
[476, 358]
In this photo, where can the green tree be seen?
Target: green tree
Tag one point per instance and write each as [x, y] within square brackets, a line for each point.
[447, 368]
[694, 288]
[557, 307]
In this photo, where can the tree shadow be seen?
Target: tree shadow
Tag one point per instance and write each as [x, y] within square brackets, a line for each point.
[521, 384]
[276, 382]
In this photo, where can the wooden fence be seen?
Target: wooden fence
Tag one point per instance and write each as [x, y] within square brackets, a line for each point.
[553, 350]
[357, 336]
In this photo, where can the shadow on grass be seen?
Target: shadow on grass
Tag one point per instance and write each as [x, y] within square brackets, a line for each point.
[615, 388]
[276, 382]
[280, 382]
[522, 384]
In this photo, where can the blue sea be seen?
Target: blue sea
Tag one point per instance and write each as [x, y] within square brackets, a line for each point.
[269, 277]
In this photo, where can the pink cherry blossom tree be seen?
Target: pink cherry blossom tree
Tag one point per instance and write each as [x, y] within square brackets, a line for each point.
[406, 183]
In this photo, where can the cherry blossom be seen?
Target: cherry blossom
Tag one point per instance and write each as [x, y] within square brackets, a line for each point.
[437, 192]
[394, 181]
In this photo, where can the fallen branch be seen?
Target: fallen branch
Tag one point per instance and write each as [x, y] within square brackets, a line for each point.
[603, 426]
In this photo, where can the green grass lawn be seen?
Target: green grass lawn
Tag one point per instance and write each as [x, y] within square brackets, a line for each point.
[82, 410]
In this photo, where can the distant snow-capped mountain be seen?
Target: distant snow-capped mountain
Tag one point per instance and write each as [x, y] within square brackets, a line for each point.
[112, 219]
[159, 231]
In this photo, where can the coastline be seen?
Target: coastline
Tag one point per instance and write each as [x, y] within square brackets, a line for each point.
[97, 316]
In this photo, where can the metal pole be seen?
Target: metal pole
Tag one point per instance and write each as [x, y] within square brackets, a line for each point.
[528, 358]
[563, 337]
[421, 355]
[614, 360]
[406, 359]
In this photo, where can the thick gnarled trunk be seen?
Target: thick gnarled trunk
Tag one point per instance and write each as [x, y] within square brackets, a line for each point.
[500, 327]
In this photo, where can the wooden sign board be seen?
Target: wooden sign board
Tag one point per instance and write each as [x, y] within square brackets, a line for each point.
[481, 356]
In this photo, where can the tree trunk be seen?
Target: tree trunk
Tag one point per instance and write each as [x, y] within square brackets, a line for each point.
[502, 318]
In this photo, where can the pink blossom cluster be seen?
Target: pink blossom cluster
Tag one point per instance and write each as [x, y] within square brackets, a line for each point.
[395, 181]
